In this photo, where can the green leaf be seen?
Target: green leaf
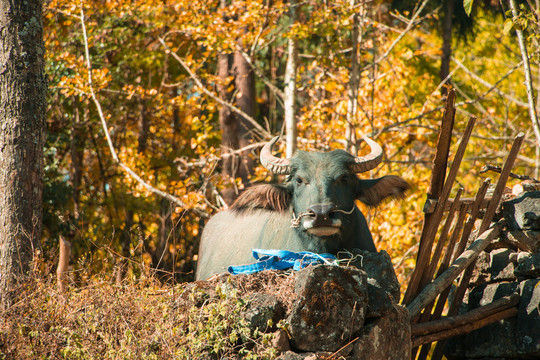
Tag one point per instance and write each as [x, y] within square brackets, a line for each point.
[467, 5]
[508, 25]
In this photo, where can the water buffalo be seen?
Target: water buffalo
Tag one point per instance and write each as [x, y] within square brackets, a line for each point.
[313, 211]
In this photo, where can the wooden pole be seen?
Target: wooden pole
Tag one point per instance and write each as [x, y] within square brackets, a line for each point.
[458, 320]
[501, 183]
[430, 292]
[444, 235]
[426, 315]
[436, 185]
[419, 277]
[63, 263]
[443, 147]
[464, 329]
[486, 221]
[488, 216]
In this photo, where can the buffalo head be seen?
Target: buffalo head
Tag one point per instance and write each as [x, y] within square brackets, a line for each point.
[321, 190]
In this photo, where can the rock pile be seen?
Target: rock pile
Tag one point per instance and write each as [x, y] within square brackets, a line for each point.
[512, 268]
[329, 312]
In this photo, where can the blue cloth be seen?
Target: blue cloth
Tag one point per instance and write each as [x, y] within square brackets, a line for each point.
[280, 260]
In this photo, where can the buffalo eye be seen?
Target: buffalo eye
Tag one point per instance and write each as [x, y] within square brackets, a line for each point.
[300, 180]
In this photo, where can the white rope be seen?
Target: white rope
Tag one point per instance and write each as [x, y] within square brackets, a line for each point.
[295, 221]
[351, 259]
[345, 212]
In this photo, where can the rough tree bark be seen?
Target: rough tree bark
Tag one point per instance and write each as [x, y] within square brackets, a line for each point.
[23, 89]
[235, 129]
[228, 126]
[245, 100]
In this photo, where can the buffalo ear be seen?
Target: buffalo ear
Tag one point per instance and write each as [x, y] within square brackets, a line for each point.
[372, 192]
[269, 197]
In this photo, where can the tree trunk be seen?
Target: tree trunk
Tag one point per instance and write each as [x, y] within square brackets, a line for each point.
[447, 42]
[162, 259]
[354, 79]
[143, 124]
[290, 91]
[235, 129]
[228, 125]
[125, 243]
[23, 89]
[245, 101]
[77, 142]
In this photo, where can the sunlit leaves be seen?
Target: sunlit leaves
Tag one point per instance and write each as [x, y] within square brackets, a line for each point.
[166, 128]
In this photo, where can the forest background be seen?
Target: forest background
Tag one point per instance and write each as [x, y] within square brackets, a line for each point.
[150, 101]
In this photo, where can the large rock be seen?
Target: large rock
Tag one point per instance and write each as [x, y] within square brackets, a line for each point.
[495, 266]
[330, 307]
[501, 268]
[528, 320]
[513, 338]
[323, 311]
[480, 275]
[379, 270]
[495, 340]
[387, 338]
[291, 355]
[528, 266]
[380, 302]
[523, 212]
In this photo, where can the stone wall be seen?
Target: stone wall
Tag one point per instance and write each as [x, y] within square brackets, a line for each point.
[511, 266]
[327, 311]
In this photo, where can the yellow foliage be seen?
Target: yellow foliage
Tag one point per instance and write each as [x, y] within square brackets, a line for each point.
[166, 128]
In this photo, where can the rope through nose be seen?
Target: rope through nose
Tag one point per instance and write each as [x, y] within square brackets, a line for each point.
[295, 221]
[345, 212]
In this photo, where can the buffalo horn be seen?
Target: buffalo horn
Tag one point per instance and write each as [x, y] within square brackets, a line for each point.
[272, 163]
[368, 162]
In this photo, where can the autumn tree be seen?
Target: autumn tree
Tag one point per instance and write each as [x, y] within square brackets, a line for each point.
[172, 77]
[22, 117]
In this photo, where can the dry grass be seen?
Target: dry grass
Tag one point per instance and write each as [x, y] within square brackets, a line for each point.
[142, 319]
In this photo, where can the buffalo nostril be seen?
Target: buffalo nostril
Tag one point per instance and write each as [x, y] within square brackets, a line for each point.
[321, 211]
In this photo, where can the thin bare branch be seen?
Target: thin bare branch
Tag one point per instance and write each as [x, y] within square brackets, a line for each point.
[228, 153]
[493, 87]
[105, 127]
[498, 169]
[528, 84]
[262, 132]
[259, 73]
[490, 86]
[410, 25]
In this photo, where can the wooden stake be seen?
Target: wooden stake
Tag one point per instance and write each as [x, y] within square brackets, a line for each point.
[443, 147]
[436, 184]
[448, 257]
[444, 235]
[464, 329]
[63, 263]
[473, 315]
[430, 292]
[488, 216]
[419, 277]
[499, 188]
